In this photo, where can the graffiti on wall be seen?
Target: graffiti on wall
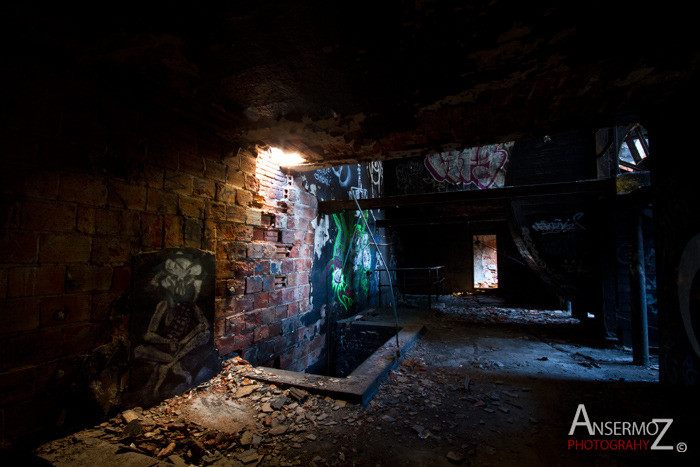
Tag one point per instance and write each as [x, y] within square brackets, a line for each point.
[173, 346]
[549, 226]
[376, 176]
[412, 177]
[481, 166]
[350, 276]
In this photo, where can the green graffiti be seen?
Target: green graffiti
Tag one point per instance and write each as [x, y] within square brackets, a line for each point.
[349, 277]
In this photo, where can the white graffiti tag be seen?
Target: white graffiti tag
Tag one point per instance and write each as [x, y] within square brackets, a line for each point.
[481, 166]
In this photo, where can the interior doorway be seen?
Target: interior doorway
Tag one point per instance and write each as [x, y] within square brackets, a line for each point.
[485, 261]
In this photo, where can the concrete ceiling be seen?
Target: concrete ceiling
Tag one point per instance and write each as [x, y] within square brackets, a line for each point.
[360, 81]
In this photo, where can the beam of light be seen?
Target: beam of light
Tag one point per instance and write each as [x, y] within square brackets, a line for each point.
[284, 159]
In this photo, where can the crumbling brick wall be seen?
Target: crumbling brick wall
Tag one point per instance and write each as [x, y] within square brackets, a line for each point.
[77, 205]
[264, 266]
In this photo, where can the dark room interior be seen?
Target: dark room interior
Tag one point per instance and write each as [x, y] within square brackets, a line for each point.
[316, 233]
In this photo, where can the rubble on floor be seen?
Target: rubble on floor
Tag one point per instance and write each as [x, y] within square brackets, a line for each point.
[449, 403]
[236, 420]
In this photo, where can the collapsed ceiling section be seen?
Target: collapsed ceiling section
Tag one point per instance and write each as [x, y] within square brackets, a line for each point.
[341, 83]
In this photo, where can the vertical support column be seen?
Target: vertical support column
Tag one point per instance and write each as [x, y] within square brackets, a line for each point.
[638, 299]
[430, 288]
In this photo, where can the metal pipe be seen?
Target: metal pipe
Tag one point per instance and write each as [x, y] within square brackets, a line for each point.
[638, 299]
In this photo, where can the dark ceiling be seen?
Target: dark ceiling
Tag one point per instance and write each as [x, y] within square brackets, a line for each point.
[355, 81]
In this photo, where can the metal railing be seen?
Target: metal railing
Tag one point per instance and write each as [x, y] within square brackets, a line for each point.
[427, 280]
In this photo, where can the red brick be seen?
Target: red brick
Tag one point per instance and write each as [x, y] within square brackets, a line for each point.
[123, 195]
[101, 305]
[130, 224]
[57, 375]
[21, 314]
[235, 178]
[272, 236]
[191, 164]
[235, 286]
[204, 188]
[253, 284]
[234, 324]
[121, 279]
[85, 220]
[48, 215]
[161, 202]
[17, 385]
[173, 231]
[3, 283]
[219, 326]
[248, 164]
[244, 197]
[10, 213]
[225, 345]
[148, 176]
[293, 309]
[229, 153]
[36, 281]
[260, 300]
[216, 211]
[19, 247]
[287, 296]
[191, 207]
[275, 329]
[244, 268]
[65, 309]
[253, 318]
[224, 269]
[288, 236]
[268, 283]
[234, 231]
[81, 338]
[244, 340]
[287, 266]
[243, 304]
[64, 248]
[151, 230]
[88, 278]
[209, 240]
[223, 307]
[253, 217]
[110, 251]
[178, 183]
[33, 347]
[260, 333]
[236, 213]
[225, 193]
[214, 170]
[258, 234]
[41, 185]
[79, 188]
[255, 250]
[193, 233]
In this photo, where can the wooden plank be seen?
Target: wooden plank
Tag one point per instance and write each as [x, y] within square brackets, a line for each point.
[583, 187]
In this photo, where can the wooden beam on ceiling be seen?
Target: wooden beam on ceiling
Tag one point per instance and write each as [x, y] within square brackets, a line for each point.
[605, 187]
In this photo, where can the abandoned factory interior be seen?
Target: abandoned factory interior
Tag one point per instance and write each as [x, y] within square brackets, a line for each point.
[395, 233]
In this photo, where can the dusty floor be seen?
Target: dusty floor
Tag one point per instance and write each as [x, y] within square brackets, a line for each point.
[486, 385]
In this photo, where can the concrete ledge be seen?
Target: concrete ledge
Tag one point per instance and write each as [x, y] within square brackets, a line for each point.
[362, 384]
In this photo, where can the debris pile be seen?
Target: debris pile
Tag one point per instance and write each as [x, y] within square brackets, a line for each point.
[229, 418]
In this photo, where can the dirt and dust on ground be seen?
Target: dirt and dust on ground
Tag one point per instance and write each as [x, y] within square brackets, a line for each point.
[486, 385]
